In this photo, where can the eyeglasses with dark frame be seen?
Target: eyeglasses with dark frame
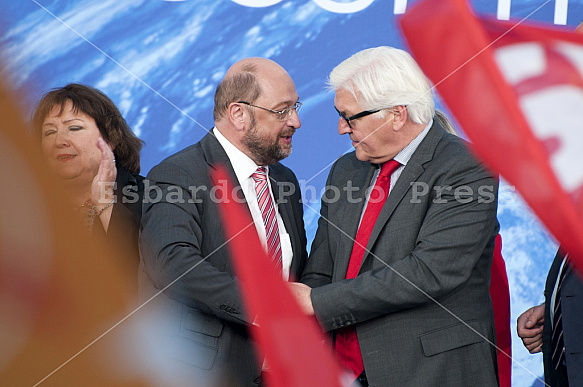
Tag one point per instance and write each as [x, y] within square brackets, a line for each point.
[356, 116]
[282, 114]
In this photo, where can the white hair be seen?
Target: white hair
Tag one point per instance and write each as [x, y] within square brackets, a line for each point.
[385, 77]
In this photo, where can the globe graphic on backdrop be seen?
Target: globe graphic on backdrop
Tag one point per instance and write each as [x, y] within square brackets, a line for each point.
[160, 62]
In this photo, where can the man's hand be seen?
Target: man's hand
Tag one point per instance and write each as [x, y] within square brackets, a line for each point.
[302, 294]
[529, 327]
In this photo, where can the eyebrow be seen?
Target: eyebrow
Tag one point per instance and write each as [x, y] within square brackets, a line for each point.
[66, 122]
[343, 112]
[73, 119]
[287, 104]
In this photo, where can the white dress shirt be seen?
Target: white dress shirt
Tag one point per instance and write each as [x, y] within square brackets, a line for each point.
[554, 294]
[244, 167]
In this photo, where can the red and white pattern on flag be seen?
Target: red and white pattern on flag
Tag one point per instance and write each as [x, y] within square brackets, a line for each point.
[548, 79]
[516, 89]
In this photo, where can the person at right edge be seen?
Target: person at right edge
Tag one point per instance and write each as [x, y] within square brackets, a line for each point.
[407, 299]
[556, 326]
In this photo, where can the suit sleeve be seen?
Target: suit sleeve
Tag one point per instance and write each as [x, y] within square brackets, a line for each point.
[320, 265]
[448, 244]
[171, 241]
[300, 254]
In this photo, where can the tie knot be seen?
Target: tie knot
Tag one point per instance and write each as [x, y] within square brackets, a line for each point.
[389, 167]
[260, 174]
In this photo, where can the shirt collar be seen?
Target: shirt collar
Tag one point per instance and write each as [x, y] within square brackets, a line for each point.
[405, 154]
[242, 164]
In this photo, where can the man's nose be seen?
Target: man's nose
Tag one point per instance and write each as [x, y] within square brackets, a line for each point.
[294, 120]
[343, 127]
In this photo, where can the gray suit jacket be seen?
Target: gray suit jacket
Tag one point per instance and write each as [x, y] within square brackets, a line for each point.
[420, 303]
[182, 240]
[572, 311]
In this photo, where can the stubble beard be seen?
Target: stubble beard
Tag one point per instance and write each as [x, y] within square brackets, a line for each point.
[263, 152]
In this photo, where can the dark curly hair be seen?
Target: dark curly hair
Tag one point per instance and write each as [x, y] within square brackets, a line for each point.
[112, 126]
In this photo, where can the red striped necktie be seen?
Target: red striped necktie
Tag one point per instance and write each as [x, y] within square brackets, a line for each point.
[267, 208]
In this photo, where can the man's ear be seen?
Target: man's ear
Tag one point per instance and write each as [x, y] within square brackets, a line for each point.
[237, 115]
[400, 116]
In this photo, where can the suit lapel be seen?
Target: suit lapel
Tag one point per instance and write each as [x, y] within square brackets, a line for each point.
[360, 177]
[554, 273]
[216, 156]
[414, 168]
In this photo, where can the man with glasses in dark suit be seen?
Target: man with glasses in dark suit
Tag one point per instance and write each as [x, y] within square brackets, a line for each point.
[183, 247]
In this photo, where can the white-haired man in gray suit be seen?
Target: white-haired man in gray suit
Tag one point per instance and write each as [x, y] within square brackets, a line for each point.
[404, 284]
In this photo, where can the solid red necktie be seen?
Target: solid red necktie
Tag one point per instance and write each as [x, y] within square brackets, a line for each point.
[346, 345]
[267, 208]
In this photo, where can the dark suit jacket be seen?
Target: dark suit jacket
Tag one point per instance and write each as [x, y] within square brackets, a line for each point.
[572, 311]
[429, 268]
[122, 234]
[182, 240]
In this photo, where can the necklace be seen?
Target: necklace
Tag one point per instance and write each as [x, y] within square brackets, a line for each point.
[92, 212]
[89, 215]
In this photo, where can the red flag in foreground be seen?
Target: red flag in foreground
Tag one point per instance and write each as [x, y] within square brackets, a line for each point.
[517, 91]
[292, 343]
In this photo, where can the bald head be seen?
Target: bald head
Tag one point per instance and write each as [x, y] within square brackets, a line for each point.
[254, 65]
[256, 111]
[245, 81]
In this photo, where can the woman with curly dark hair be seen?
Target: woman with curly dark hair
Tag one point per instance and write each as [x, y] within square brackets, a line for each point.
[89, 145]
